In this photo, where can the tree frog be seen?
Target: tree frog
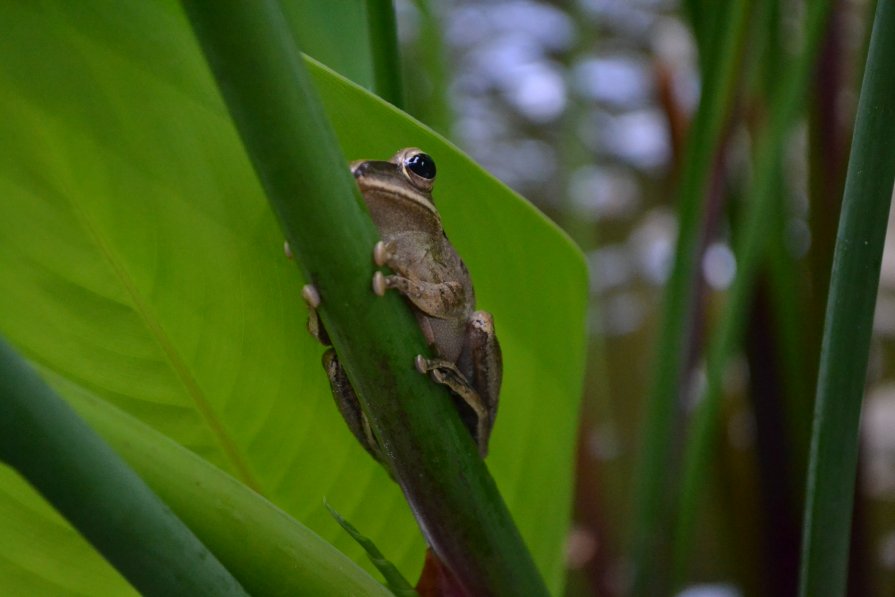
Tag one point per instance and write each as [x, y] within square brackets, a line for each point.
[433, 279]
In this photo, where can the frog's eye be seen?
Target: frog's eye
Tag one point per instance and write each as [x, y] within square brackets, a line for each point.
[422, 165]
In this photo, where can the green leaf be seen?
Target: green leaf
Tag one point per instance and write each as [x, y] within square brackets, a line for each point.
[854, 284]
[140, 262]
[396, 582]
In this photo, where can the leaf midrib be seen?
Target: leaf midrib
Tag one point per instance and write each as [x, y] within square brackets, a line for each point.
[232, 453]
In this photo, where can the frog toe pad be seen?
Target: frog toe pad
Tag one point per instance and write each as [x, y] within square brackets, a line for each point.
[381, 254]
[380, 285]
[310, 295]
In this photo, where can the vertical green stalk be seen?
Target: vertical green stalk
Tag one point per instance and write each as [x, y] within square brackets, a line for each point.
[426, 76]
[384, 51]
[92, 487]
[650, 535]
[849, 320]
[750, 251]
[261, 74]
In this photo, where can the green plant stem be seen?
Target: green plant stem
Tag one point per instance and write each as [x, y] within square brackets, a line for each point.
[274, 105]
[428, 77]
[653, 508]
[89, 484]
[849, 320]
[750, 251]
[384, 51]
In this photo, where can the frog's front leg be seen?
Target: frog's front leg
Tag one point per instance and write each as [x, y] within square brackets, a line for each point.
[432, 298]
[438, 299]
[476, 376]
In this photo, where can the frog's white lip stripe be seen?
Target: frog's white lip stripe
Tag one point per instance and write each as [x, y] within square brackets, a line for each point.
[374, 184]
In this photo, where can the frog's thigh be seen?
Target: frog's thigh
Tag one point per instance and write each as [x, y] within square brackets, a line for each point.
[483, 352]
[347, 403]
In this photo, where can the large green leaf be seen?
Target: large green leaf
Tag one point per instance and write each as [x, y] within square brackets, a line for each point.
[139, 262]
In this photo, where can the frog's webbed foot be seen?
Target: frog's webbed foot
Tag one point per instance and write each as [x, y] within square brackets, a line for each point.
[447, 373]
[348, 405]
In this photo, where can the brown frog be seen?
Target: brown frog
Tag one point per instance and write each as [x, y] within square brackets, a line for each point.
[433, 279]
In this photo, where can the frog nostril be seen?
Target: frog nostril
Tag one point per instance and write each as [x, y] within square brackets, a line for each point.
[359, 170]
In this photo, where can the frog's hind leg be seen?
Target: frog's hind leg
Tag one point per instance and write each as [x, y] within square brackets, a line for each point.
[480, 387]
[349, 406]
[447, 373]
[482, 355]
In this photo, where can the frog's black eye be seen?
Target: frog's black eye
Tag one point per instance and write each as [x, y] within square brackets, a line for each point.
[422, 165]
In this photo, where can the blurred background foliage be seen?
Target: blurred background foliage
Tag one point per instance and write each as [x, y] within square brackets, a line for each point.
[585, 108]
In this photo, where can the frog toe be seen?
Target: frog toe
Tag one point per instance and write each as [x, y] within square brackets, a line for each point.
[380, 284]
[310, 295]
[381, 254]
